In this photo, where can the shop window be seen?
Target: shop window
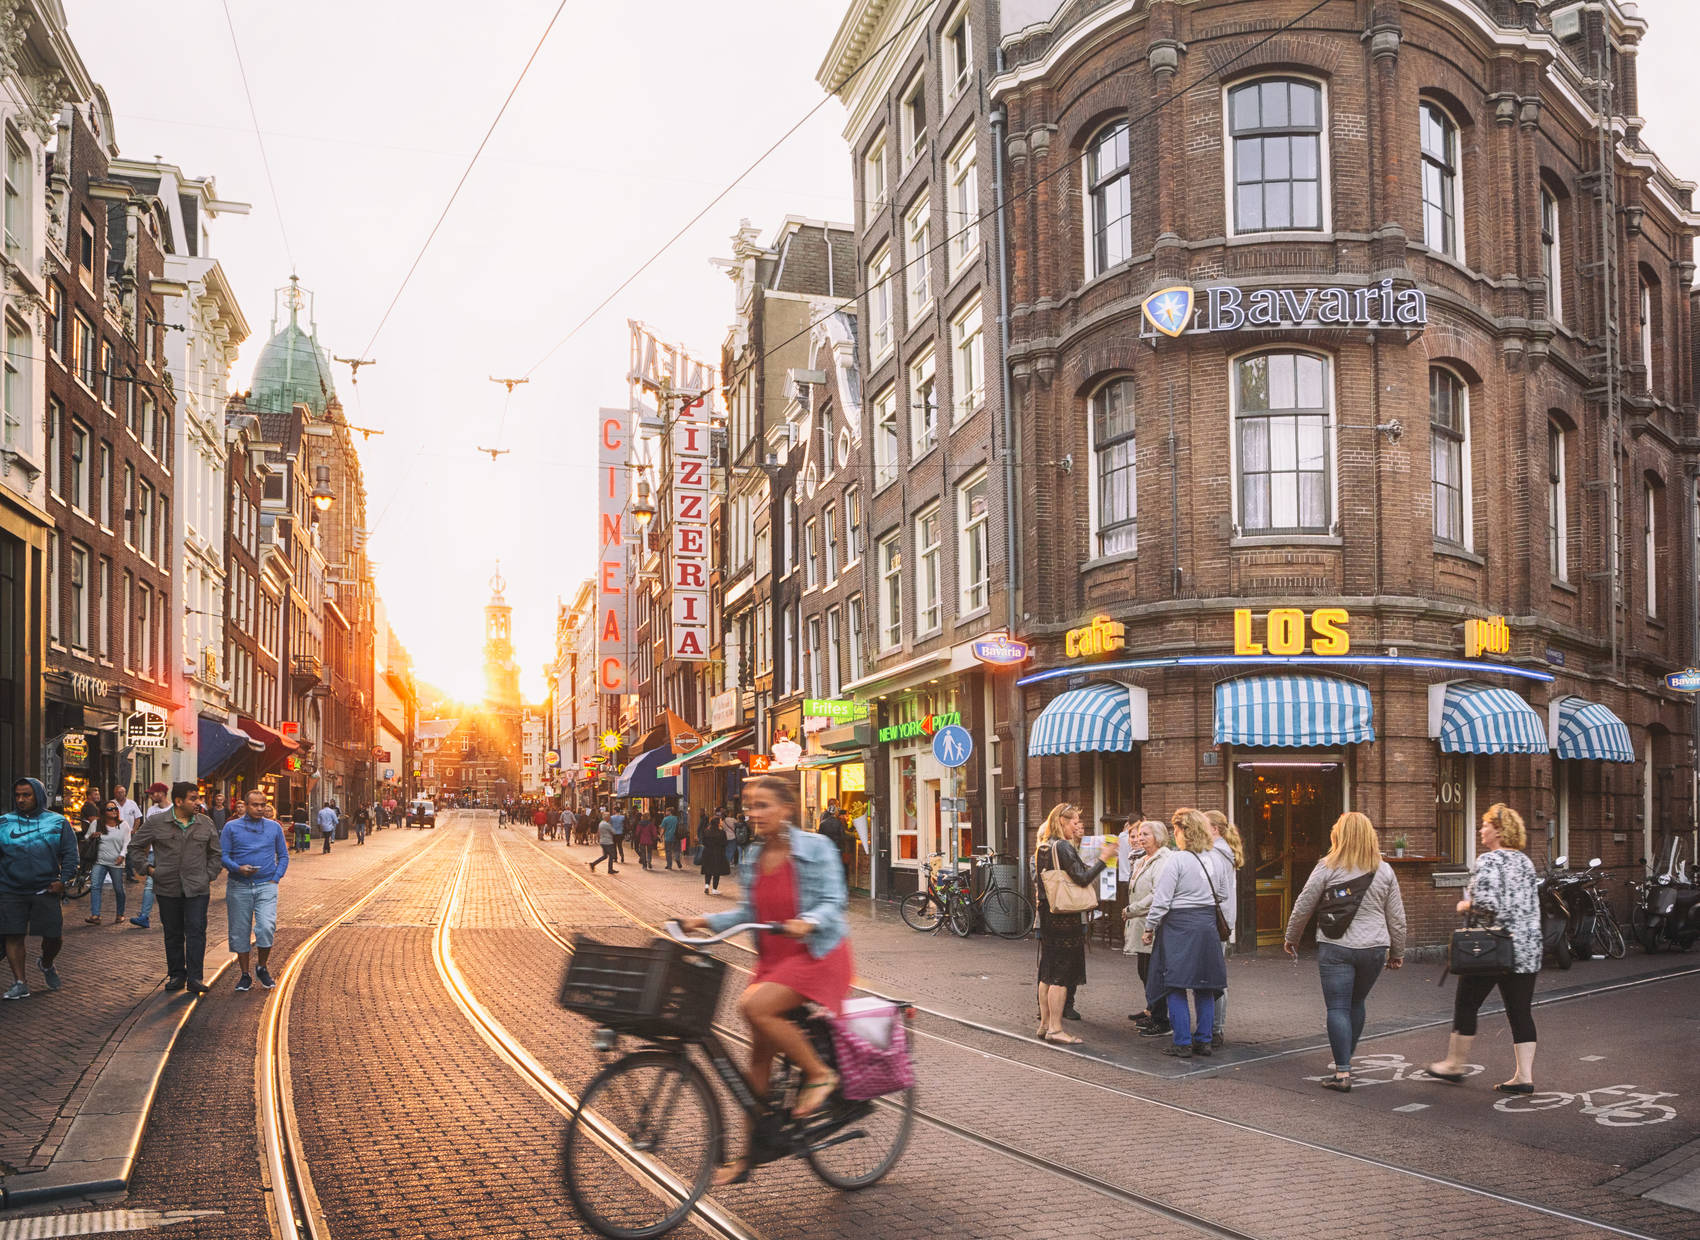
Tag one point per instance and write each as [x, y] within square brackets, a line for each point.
[1453, 790]
[1276, 128]
[1109, 199]
[1281, 412]
[1449, 464]
[1440, 182]
[906, 836]
[1115, 507]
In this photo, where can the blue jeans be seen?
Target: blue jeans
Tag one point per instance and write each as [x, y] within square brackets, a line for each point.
[147, 899]
[1348, 974]
[1181, 1018]
[101, 874]
[250, 905]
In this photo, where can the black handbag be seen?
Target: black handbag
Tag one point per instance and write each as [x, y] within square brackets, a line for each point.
[1481, 951]
[1340, 903]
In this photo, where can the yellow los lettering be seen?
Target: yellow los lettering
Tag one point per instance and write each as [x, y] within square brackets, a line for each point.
[1329, 625]
[1286, 630]
[1243, 643]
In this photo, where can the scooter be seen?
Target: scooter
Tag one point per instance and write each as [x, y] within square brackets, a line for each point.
[1667, 905]
[1555, 915]
[1580, 895]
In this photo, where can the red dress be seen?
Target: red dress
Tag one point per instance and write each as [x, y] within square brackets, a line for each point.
[786, 960]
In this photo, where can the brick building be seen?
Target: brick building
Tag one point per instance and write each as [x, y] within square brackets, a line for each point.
[932, 487]
[112, 680]
[1305, 417]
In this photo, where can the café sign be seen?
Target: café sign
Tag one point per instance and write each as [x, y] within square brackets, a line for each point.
[1102, 636]
[927, 725]
[1181, 310]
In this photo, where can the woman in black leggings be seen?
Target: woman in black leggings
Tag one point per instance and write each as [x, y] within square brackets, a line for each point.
[1505, 887]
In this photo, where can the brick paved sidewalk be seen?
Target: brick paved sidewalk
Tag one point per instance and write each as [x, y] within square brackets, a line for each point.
[1273, 1004]
[58, 1042]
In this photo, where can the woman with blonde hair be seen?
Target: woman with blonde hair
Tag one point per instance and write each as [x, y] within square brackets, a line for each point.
[1226, 856]
[1506, 889]
[1153, 837]
[1186, 955]
[1354, 941]
[1062, 936]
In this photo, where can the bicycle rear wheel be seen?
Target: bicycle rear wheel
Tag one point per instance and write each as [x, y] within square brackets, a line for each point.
[870, 1141]
[1009, 913]
[635, 1170]
[961, 914]
[1608, 936]
[920, 911]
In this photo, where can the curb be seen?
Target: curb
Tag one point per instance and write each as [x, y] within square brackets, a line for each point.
[99, 1149]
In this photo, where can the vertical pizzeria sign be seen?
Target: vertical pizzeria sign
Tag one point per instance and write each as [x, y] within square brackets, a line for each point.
[612, 492]
[688, 641]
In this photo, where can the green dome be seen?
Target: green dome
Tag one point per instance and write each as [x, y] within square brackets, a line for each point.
[292, 370]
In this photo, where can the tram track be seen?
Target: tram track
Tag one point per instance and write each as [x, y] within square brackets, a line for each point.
[1064, 1171]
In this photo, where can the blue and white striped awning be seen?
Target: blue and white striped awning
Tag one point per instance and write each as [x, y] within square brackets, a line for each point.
[1293, 712]
[1091, 719]
[1585, 729]
[1489, 719]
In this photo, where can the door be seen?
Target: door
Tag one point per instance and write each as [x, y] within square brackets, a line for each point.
[1285, 812]
[935, 842]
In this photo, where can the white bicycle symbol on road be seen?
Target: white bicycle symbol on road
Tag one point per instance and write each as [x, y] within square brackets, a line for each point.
[1615, 1106]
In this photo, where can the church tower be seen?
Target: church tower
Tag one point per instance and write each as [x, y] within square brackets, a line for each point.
[501, 673]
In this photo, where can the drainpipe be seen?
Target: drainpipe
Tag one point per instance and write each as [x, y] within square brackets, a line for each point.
[1018, 730]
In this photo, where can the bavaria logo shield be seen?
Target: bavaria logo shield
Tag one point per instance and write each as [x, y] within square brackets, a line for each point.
[1169, 310]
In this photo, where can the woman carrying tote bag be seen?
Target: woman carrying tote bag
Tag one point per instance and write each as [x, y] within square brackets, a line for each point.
[1062, 930]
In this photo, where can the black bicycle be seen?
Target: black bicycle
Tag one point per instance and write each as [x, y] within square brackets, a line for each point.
[950, 899]
[643, 1145]
[927, 910]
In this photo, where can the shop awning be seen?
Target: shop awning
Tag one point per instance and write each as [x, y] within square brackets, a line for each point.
[1293, 712]
[814, 761]
[217, 743]
[1477, 718]
[1586, 730]
[671, 768]
[1105, 718]
[640, 778]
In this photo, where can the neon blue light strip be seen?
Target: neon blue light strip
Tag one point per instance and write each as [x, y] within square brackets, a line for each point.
[1297, 660]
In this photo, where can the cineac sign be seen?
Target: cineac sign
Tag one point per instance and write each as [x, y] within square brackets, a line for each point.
[1182, 310]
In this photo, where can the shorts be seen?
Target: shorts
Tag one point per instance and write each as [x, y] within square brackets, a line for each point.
[31, 914]
[250, 904]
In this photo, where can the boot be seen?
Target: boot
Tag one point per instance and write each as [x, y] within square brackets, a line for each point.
[1457, 1055]
[1524, 1081]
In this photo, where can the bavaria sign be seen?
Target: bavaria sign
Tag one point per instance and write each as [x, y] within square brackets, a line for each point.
[1002, 651]
[1180, 310]
[1687, 681]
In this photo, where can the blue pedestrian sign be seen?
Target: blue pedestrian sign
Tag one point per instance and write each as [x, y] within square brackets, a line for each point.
[953, 745]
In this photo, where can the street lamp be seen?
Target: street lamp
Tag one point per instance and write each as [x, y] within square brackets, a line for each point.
[643, 511]
[322, 497]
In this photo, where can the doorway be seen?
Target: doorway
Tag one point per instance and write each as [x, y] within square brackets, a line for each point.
[1285, 811]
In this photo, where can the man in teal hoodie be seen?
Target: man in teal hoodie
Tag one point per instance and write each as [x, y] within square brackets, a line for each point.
[38, 856]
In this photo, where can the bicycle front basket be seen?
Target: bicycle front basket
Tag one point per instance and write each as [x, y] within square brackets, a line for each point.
[660, 990]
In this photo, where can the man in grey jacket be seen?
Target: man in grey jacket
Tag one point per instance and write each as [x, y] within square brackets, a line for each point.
[186, 859]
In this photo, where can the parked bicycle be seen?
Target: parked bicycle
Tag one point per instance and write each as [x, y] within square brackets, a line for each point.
[652, 1113]
[927, 910]
[999, 907]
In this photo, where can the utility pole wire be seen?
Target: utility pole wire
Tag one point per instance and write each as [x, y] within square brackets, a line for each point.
[254, 116]
[488, 133]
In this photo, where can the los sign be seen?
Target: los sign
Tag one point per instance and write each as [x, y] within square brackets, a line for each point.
[1286, 631]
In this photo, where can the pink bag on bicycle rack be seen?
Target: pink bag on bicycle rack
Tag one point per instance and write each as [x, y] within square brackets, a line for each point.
[870, 1071]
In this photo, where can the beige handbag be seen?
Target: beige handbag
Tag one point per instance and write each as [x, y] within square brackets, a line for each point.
[1063, 894]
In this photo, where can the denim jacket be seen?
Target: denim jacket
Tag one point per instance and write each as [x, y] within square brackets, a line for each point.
[821, 895]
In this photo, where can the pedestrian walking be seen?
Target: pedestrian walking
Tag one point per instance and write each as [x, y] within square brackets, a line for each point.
[1153, 837]
[328, 818]
[832, 827]
[38, 856]
[186, 859]
[646, 835]
[1062, 935]
[255, 857]
[605, 837]
[712, 841]
[112, 839]
[618, 821]
[1504, 890]
[1360, 931]
[1186, 956]
[359, 824]
[552, 821]
[1225, 858]
[303, 840]
[670, 838]
[131, 814]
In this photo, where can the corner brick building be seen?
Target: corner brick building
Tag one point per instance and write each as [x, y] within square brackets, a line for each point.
[1220, 518]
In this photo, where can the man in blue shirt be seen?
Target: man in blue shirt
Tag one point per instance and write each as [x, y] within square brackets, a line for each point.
[327, 823]
[670, 837]
[38, 856]
[618, 821]
[255, 858]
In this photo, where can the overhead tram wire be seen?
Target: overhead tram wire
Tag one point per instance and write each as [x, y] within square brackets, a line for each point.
[254, 116]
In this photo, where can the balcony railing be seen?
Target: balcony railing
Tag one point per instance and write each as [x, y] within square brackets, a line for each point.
[306, 669]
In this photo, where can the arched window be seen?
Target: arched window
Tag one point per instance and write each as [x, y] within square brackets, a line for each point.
[1109, 199]
[1440, 182]
[1449, 430]
[1281, 420]
[1647, 317]
[1275, 125]
[1115, 494]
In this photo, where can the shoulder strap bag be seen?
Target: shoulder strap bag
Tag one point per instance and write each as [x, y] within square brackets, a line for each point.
[1062, 893]
[1340, 903]
[1223, 929]
[1478, 951]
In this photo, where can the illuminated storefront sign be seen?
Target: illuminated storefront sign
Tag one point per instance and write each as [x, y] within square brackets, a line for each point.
[1490, 636]
[1102, 636]
[1288, 630]
[835, 708]
[853, 777]
[613, 490]
[1181, 310]
[1687, 681]
[924, 726]
[1002, 651]
[145, 729]
[688, 634]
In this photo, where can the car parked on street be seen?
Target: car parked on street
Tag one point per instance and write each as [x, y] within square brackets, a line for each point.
[422, 814]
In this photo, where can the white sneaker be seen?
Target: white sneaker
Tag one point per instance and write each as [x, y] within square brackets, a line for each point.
[705, 889]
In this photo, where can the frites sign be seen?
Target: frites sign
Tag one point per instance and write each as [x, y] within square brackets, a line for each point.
[612, 491]
[688, 641]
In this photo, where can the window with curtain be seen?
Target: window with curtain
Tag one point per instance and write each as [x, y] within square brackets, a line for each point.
[1281, 415]
[1109, 197]
[1448, 414]
[1115, 509]
[1275, 125]
[1440, 180]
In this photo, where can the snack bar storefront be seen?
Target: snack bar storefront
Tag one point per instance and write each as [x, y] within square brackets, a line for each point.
[1283, 725]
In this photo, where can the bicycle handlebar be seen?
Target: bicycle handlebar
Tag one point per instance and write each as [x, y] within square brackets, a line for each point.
[676, 932]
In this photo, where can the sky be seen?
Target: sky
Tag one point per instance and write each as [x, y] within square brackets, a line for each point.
[632, 118]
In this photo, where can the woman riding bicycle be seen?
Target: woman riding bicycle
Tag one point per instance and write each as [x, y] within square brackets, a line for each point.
[792, 876]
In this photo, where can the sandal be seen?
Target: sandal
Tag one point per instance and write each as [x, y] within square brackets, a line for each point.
[725, 1177]
[1062, 1039]
[799, 1111]
[91, 921]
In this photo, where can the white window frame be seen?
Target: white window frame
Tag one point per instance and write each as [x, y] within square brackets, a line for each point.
[881, 330]
[853, 622]
[787, 536]
[1095, 489]
[918, 245]
[80, 584]
[962, 218]
[923, 405]
[813, 654]
[1646, 311]
[1552, 254]
[1558, 503]
[82, 468]
[1324, 162]
[913, 137]
[1449, 164]
[53, 577]
[886, 464]
[104, 605]
[829, 542]
[956, 55]
[103, 477]
[874, 189]
[973, 538]
[929, 563]
[1466, 505]
[15, 388]
[834, 656]
[852, 526]
[1100, 257]
[890, 559]
[968, 360]
[811, 553]
[19, 165]
[1331, 463]
[1650, 545]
